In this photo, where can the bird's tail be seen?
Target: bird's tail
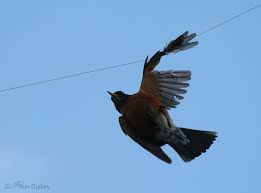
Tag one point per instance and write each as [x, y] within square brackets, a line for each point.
[200, 141]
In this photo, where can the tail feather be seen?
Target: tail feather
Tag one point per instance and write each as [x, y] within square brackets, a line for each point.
[200, 141]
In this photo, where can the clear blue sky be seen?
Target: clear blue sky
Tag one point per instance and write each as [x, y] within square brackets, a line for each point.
[66, 134]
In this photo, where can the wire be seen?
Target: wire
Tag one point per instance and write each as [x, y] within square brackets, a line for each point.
[69, 76]
[229, 19]
[125, 64]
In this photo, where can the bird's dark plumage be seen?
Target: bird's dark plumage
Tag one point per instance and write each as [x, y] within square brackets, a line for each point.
[144, 116]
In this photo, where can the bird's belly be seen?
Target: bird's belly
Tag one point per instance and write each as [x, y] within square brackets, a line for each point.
[142, 123]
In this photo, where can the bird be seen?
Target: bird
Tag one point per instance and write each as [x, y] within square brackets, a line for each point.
[145, 117]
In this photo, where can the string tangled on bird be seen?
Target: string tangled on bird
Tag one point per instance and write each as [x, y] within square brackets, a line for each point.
[145, 117]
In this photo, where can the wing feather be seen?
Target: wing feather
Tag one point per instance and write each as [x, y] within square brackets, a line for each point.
[167, 87]
[151, 147]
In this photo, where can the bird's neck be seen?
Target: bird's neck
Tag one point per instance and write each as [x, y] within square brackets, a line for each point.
[123, 100]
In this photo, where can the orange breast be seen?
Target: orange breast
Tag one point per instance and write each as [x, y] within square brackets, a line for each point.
[140, 110]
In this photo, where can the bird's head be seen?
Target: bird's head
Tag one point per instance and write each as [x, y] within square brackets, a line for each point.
[119, 98]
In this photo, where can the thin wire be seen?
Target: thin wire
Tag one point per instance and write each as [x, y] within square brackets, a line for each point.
[125, 64]
[229, 19]
[69, 76]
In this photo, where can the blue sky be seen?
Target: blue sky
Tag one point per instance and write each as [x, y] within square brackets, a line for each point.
[66, 134]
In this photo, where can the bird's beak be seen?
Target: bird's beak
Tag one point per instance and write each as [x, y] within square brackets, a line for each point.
[112, 94]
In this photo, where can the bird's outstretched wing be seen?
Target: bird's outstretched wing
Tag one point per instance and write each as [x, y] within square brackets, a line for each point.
[167, 86]
[152, 148]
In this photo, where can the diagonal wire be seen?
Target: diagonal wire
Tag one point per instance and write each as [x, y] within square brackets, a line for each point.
[69, 76]
[230, 19]
[125, 64]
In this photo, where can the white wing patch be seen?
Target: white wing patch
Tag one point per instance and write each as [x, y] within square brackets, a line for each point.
[172, 86]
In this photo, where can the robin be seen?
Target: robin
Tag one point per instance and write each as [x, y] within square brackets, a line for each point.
[144, 115]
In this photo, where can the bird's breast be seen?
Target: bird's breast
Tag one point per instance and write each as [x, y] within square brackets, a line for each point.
[138, 110]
